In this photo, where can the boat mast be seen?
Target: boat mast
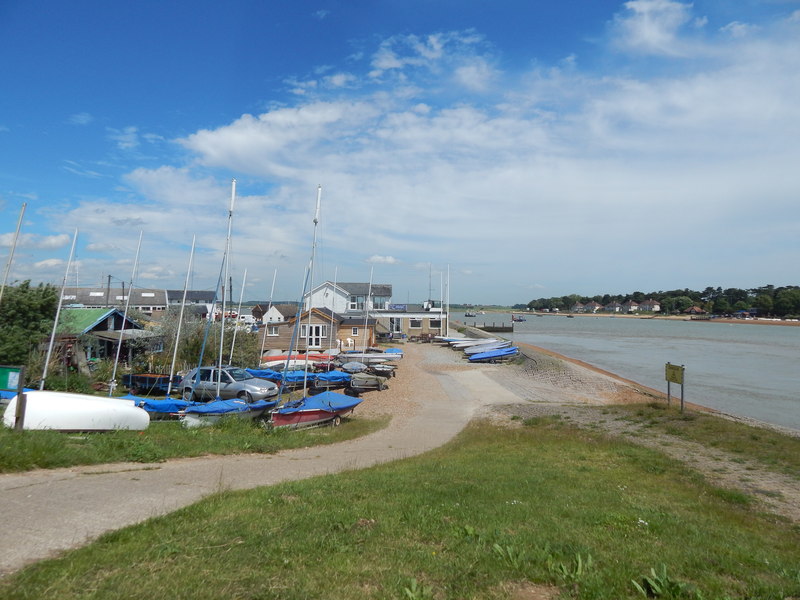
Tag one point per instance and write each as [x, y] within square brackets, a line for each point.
[238, 314]
[125, 317]
[226, 262]
[180, 319]
[366, 312]
[58, 312]
[311, 285]
[11, 252]
[266, 325]
[306, 277]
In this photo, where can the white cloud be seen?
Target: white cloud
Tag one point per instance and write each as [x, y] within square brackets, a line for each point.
[652, 26]
[33, 240]
[50, 263]
[82, 118]
[737, 29]
[382, 260]
[126, 139]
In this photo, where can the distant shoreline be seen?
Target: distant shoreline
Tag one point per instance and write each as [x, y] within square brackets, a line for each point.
[648, 316]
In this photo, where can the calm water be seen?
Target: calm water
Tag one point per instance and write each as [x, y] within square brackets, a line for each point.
[740, 369]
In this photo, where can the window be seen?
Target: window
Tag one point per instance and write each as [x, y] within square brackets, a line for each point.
[415, 323]
[313, 334]
[357, 302]
[436, 324]
[354, 331]
[272, 330]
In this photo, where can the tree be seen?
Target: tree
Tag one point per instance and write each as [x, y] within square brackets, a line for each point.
[764, 304]
[787, 302]
[26, 319]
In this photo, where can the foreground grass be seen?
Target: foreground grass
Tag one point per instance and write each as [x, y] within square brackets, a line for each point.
[26, 450]
[494, 510]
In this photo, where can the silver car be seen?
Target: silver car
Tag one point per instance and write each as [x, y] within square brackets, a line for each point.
[234, 382]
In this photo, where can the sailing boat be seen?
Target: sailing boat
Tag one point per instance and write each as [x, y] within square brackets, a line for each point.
[197, 413]
[321, 408]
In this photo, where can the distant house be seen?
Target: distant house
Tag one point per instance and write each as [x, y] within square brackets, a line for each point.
[614, 307]
[592, 307]
[694, 310]
[275, 313]
[650, 305]
[629, 306]
[578, 307]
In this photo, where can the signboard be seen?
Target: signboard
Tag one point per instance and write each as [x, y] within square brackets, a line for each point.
[9, 378]
[674, 373]
[398, 307]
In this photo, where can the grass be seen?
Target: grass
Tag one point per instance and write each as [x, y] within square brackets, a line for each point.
[772, 449]
[162, 440]
[493, 510]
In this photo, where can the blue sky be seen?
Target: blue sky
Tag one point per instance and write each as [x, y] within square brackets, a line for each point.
[530, 148]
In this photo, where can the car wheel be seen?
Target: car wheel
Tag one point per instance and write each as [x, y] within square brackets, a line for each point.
[246, 396]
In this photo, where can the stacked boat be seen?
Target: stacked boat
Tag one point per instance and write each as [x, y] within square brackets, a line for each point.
[489, 350]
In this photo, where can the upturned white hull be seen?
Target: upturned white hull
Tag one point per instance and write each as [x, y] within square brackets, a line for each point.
[62, 411]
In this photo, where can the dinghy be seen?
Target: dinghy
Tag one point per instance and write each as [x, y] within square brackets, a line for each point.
[62, 411]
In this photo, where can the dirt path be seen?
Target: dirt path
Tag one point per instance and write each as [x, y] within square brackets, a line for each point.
[434, 395]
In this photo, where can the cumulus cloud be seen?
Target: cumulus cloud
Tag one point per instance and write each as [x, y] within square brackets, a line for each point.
[33, 240]
[653, 26]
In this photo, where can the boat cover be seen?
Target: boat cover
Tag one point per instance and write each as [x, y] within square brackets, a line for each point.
[354, 367]
[500, 353]
[333, 377]
[7, 394]
[331, 402]
[218, 407]
[159, 405]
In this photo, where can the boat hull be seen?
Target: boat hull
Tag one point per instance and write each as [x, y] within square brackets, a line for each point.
[62, 411]
[314, 410]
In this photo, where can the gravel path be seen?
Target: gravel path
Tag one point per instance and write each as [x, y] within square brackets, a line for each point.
[434, 395]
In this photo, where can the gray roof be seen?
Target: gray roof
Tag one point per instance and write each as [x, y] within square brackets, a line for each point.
[115, 296]
[192, 296]
[361, 289]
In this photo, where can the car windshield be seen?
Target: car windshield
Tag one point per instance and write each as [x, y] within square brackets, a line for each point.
[239, 374]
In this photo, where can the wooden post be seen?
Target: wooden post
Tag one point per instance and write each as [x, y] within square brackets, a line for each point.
[22, 402]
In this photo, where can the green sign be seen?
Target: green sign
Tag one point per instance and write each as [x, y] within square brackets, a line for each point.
[9, 378]
[674, 373]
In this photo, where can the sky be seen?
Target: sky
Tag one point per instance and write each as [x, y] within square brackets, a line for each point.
[484, 152]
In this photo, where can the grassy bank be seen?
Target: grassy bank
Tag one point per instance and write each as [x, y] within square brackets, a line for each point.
[162, 440]
[544, 508]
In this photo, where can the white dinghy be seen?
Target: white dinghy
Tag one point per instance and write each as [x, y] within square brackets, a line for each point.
[62, 411]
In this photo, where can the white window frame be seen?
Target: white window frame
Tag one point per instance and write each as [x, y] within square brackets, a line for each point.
[354, 331]
[272, 331]
[411, 323]
[318, 334]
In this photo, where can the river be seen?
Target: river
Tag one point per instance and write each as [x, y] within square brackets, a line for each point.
[740, 369]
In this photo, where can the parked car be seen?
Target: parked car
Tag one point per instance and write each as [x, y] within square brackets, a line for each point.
[235, 382]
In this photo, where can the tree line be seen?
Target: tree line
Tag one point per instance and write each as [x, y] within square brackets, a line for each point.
[765, 301]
